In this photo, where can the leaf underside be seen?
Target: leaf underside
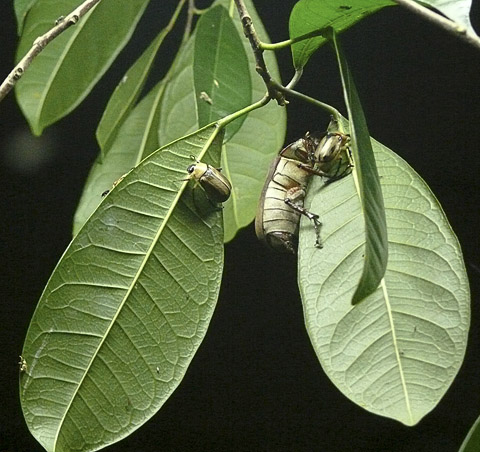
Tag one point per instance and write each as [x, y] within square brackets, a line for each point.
[126, 307]
[397, 352]
[456, 10]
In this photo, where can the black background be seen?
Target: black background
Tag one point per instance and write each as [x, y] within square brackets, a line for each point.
[255, 383]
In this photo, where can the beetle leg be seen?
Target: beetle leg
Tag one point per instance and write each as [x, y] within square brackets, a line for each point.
[311, 170]
[337, 176]
[199, 210]
[289, 200]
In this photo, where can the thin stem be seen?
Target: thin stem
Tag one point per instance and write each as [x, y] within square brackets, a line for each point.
[261, 67]
[331, 110]
[228, 119]
[289, 42]
[295, 79]
[199, 11]
[42, 41]
[189, 23]
[448, 25]
[175, 15]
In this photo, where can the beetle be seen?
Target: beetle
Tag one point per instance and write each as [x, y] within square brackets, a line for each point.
[281, 202]
[217, 187]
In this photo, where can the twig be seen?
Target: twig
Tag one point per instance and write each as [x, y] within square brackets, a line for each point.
[261, 67]
[448, 25]
[41, 42]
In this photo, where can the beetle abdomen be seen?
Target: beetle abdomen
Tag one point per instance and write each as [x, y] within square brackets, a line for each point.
[279, 221]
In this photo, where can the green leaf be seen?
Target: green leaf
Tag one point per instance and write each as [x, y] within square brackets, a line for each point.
[136, 139]
[21, 10]
[396, 353]
[220, 69]
[126, 95]
[368, 187]
[472, 440]
[127, 305]
[67, 69]
[310, 15]
[456, 10]
[250, 151]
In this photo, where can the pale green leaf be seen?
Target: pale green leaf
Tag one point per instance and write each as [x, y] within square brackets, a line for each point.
[67, 69]
[136, 139]
[456, 10]
[472, 440]
[21, 10]
[368, 186]
[220, 70]
[126, 95]
[397, 352]
[250, 151]
[127, 305]
[310, 15]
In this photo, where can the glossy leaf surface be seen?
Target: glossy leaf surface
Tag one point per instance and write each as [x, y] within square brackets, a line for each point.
[472, 440]
[56, 83]
[311, 15]
[368, 187]
[397, 352]
[250, 151]
[220, 69]
[127, 305]
[136, 139]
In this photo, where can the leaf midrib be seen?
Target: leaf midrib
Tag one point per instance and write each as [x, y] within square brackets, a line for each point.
[388, 308]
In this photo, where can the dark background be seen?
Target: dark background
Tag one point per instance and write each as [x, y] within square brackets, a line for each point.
[255, 383]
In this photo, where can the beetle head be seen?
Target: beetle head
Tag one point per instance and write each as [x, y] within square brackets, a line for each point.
[197, 170]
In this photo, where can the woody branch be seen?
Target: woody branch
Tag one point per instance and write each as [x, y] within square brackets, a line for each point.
[42, 41]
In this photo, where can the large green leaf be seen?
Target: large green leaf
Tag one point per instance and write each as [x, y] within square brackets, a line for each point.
[220, 69]
[136, 139]
[397, 352]
[472, 440]
[56, 83]
[368, 186]
[127, 305]
[126, 95]
[310, 15]
[21, 10]
[128, 90]
[250, 151]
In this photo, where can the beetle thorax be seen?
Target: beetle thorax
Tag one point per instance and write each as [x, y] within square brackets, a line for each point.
[330, 147]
